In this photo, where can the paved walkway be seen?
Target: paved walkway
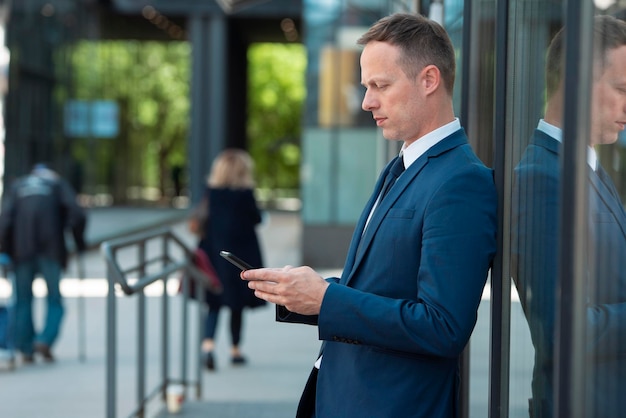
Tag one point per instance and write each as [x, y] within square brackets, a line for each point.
[280, 355]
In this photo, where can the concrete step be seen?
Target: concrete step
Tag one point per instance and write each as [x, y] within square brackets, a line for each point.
[212, 409]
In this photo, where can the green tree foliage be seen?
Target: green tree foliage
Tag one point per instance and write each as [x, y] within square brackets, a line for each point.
[276, 98]
[150, 82]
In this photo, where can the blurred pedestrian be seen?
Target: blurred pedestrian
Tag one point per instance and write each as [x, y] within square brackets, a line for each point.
[230, 224]
[177, 179]
[37, 211]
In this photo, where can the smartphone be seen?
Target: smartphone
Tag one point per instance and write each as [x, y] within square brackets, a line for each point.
[236, 260]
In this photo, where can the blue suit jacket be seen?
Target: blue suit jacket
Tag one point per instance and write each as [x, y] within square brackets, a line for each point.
[397, 320]
[535, 247]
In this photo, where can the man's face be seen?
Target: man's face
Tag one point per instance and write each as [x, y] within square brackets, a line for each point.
[608, 107]
[396, 102]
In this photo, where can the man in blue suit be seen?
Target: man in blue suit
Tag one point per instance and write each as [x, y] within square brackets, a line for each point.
[395, 324]
[535, 230]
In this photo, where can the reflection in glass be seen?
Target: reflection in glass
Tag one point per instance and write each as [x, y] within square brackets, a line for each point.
[535, 230]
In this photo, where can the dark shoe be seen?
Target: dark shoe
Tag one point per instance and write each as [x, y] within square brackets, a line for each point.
[28, 359]
[238, 360]
[209, 360]
[44, 351]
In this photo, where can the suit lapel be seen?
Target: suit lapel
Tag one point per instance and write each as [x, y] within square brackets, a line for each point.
[357, 236]
[610, 200]
[361, 240]
[381, 211]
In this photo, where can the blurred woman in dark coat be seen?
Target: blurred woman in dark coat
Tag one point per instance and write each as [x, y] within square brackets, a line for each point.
[230, 226]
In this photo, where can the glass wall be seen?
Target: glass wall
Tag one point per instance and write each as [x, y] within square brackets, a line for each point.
[560, 99]
[342, 153]
[531, 26]
[335, 125]
[551, 332]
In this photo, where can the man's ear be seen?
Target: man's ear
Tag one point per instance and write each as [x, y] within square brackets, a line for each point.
[430, 78]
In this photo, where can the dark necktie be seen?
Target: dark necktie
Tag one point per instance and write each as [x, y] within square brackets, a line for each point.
[396, 169]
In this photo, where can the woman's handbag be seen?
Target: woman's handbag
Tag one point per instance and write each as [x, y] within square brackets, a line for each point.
[201, 269]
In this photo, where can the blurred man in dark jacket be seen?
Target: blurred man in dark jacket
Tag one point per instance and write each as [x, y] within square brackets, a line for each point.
[37, 211]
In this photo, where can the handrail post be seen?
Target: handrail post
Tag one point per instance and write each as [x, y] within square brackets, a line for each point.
[111, 346]
[141, 335]
[165, 321]
[118, 276]
[184, 344]
[202, 307]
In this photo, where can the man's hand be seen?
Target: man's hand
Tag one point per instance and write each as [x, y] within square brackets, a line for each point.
[299, 289]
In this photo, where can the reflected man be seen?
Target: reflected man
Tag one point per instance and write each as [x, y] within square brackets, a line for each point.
[536, 236]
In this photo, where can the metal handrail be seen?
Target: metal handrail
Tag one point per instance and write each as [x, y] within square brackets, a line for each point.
[116, 276]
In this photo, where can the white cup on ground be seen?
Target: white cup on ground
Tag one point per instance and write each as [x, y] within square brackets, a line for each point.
[175, 395]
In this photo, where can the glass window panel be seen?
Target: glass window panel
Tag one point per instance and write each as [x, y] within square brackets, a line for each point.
[341, 153]
[534, 182]
[536, 204]
[479, 125]
[606, 265]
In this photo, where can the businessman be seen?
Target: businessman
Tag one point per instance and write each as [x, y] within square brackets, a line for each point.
[535, 233]
[395, 323]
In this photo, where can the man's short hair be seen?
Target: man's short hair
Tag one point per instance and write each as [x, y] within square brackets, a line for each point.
[608, 33]
[422, 42]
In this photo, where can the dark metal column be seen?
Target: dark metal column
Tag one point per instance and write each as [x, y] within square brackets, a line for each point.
[208, 96]
[217, 84]
[466, 53]
[569, 353]
[197, 147]
[500, 272]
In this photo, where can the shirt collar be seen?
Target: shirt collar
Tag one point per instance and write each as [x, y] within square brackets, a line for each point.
[557, 133]
[417, 148]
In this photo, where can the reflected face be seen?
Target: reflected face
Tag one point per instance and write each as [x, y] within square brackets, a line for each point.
[396, 102]
[608, 106]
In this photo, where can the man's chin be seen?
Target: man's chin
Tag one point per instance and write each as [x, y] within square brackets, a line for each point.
[390, 136]
[607, 137]
[611, 138]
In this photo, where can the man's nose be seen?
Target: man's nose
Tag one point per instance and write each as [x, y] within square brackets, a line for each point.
[368, 102]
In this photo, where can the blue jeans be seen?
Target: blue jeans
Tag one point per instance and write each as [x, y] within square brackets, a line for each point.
[25, 273]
